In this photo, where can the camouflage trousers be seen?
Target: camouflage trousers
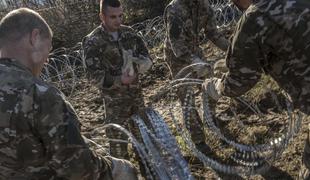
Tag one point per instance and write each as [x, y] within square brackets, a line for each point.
[120, 104]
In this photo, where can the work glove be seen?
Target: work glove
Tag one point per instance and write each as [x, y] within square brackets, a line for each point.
[123, 169]
[128, 72]
[127, 79]
[202, 71]
[143, 63]
[128, 63]
[212, 88]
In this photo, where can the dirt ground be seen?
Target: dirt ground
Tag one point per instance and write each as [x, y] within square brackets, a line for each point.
[246, 127]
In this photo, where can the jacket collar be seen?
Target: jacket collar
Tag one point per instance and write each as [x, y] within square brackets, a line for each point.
[14, 62]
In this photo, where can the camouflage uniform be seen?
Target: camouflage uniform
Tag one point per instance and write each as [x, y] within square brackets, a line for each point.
[272, 37]
[104, 62]
[184, 21]
[39, 131]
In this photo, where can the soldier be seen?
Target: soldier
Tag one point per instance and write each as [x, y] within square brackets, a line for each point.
[184, 20]
[272, 37]
[39, 130]
[114, 56]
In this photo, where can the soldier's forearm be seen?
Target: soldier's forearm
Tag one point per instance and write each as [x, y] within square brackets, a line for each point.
[143, 63]
[217, 38]
[179, 47]
[181, 52]
[186, 57]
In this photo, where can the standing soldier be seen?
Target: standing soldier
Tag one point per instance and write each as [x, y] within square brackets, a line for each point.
[184, 20]
[272, 37]
[115, 55]
[39, 131]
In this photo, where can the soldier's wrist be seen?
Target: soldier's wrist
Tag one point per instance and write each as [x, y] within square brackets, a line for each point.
[195, 59]
[106, 169]
[108, 81]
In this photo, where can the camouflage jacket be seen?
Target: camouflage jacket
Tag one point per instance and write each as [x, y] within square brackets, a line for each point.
[39, 131]
[103, 54]
[272, 36]
[184, 20]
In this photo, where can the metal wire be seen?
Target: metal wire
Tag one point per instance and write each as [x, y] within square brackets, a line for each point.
[159, 151]
[226, 13]
[64, 68]
[247, 155]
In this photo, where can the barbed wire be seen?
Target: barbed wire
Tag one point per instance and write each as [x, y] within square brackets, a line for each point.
[60, 72]
[159, 151]
[152, 31]
[64, 68]
[226, 13]
[248, 156]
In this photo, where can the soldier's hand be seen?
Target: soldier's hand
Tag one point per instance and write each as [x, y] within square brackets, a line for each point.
[127, 67]
[212, 87]
[123, 169]
[127, 78]
[117, 81]
[202, 70]
[143, 63]
[128, 54]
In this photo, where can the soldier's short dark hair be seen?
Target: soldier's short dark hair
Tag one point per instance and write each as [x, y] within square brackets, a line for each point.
[105, 3]
[17, 23]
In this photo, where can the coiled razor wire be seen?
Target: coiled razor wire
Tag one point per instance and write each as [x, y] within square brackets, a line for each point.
[210, 162]
[146, 160]
[159, 151]
[276, 146]
[65, 64]
[153, 30]
[64, 67]
[226, 13]
[168, 141]
[249, 156]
